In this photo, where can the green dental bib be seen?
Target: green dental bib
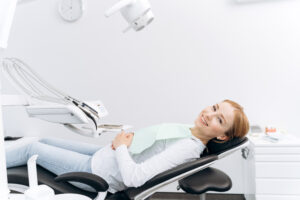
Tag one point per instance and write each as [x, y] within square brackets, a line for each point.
[144, 138]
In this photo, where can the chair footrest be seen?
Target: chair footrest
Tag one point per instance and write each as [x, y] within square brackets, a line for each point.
[209, 179]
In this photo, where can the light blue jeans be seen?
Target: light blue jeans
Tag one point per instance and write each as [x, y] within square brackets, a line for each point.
[57, 155]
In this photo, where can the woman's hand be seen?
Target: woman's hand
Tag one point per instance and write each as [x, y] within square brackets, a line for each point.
[122, 138]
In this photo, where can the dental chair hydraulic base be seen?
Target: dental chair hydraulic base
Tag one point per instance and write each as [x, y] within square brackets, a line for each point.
[195, 177]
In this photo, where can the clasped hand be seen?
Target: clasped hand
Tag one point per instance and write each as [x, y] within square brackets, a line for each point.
[122, 138]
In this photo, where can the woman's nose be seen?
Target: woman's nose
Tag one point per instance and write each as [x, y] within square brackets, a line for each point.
[209, 116]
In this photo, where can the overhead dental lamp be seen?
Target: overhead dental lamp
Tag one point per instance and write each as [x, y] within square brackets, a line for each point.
[137, 13]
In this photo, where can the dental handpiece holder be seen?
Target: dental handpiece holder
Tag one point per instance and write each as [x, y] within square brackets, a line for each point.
[35, 191]
[42, 192]
[137, 13]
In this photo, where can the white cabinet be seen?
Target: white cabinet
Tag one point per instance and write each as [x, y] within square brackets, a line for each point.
[273, 169]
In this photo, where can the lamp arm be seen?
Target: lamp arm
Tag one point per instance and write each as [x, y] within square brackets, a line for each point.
[118, 6]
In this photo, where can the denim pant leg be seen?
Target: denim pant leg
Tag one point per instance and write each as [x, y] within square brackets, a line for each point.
[54, 159]
[79, 147]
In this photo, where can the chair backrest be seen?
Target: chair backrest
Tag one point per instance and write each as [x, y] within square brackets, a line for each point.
[217, 147]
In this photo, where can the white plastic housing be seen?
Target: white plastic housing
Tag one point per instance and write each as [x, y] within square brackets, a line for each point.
[7, 12]
[57, 113]
[32, 173]
[137, 13]
[118, 6]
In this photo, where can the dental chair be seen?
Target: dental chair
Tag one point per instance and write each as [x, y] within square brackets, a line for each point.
[195, 177]
[45, 102]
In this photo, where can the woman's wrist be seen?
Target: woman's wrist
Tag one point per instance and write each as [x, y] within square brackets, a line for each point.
[122, 139]
[121, 148]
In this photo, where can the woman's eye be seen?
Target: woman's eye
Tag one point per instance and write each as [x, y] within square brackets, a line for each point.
[220, 120]
[214, 108]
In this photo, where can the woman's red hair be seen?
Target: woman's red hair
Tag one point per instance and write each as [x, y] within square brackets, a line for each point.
[240, 123]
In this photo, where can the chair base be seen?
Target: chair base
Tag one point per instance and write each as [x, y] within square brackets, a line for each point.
[202, 197]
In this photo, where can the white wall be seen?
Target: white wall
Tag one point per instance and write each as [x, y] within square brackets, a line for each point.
[194, 54]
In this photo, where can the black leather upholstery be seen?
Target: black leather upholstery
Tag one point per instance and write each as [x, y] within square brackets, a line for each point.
[214, 149]
[132, 192]
[209, 179]
[92, 180]
[19, 175]
[217, 147]
[10, 138]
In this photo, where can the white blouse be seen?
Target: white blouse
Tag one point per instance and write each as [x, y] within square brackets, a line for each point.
[121, 169]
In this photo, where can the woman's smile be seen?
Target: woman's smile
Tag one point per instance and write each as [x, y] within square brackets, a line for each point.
[202, 120]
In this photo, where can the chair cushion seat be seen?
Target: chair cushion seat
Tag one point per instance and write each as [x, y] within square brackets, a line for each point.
[209, 179]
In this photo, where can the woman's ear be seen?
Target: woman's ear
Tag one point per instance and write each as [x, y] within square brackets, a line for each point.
[223, 137]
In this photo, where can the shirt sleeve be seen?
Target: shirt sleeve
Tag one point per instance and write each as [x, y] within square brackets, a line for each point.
[136, 174]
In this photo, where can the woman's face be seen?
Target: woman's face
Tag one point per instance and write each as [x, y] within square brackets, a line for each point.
[215, 120]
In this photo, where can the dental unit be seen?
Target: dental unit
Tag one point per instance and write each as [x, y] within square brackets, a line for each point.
[43, 101]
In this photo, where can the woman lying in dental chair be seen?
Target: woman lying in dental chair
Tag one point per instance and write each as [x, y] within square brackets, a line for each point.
[134, 158]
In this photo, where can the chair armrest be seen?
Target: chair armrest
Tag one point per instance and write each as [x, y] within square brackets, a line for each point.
[96, 182]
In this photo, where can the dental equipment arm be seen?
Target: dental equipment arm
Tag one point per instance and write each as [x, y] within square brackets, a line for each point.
[43, 101]
[47, 103]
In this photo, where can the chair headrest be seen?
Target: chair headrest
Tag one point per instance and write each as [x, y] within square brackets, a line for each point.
[218, 146]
